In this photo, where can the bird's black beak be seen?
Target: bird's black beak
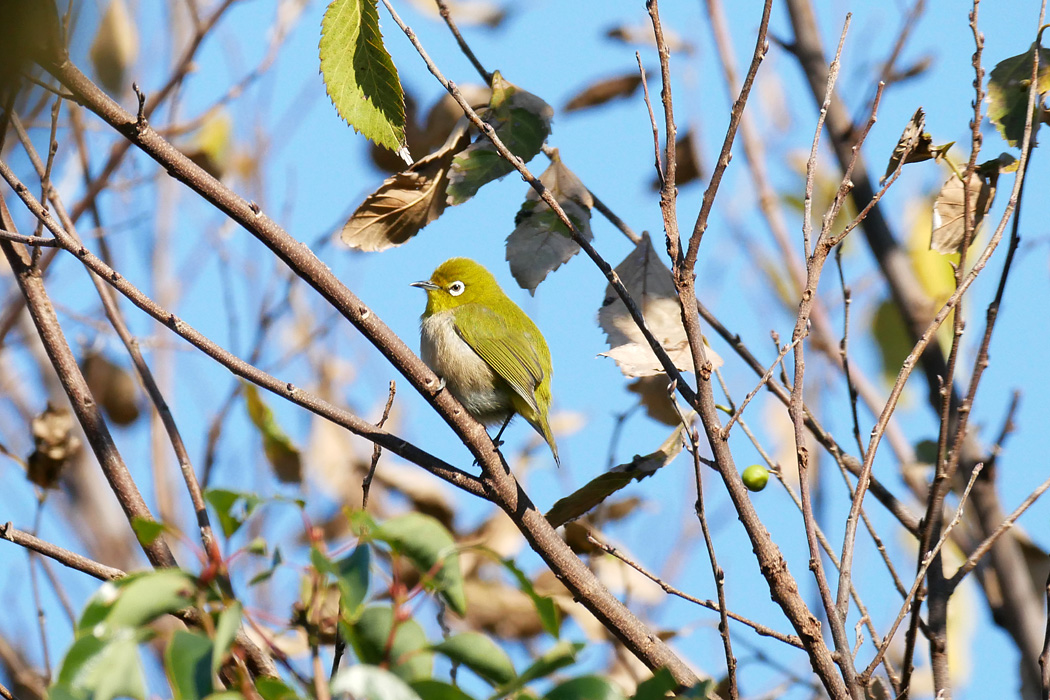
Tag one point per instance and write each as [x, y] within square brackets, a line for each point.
[425, 284]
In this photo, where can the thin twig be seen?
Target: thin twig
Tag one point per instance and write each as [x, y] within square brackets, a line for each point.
[716, 571]
[463, 46]
[377, 450]
[920, 576]
[709, 604]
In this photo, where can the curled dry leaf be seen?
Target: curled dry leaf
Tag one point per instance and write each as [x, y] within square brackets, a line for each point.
[688, 166]
[280, 451]
[948, 221]
[597, 490]
[211, 147]
[54, 446]
[112, 386]
[406, 202]
[650, 284]
[603, 91]
[541, 242]
[912, 141]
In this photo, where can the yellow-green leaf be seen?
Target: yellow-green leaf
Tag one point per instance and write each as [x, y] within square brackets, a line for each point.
[281, 452]
[522, 122]
[358, 73]
[1008, 86]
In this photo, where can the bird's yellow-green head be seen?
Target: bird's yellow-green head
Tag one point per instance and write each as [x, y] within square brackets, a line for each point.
[488, 351]
[456, 282]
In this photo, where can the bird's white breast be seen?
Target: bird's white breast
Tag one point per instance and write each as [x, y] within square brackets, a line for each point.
[466, 374]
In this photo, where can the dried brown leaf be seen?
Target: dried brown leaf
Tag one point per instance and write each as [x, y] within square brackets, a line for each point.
[54, 446]
[688, 166]
[540, 242]
[603, 91]
[948, 221]
[406, 202]
[650, 284]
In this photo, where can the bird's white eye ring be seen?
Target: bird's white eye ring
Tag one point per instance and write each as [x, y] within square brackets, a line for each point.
[456, 288]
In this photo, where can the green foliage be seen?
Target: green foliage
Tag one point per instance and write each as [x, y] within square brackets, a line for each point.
[521, 120]
[147, 531]
[103, 662]
[559, 656]
[274, 689]
[351, 576]
[363, 682]
[1008, 87]
[550, 618]
[233, 508]
[102, 668]
[135, 600]
[436, 690]
[586, 688]
[404, 654]
[657, 687]
[187, 661]
[280, 451]
[392, 657]
[429, 546]
[480, 654]
[358, 73]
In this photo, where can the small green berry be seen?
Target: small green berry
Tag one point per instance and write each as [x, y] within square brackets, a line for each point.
[755, 477]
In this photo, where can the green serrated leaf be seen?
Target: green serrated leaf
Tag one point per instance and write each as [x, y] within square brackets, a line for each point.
[102, 669]
[586, 688]
[405, 657]
[363, 682]
[480, 654]
[546, 608]
[359, 75]
[147, 531]
[436, 690]
[657, 687]
[1008, 86]
[425, 542]
[187, 661]
[233, 508]
[522, 122]
[225, 633]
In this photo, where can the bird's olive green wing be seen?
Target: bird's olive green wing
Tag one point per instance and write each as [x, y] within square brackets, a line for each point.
[510, 353]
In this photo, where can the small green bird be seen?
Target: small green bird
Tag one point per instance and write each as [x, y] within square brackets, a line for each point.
[491, 355]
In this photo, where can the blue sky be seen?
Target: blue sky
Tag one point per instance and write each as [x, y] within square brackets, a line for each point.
[317, 170]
